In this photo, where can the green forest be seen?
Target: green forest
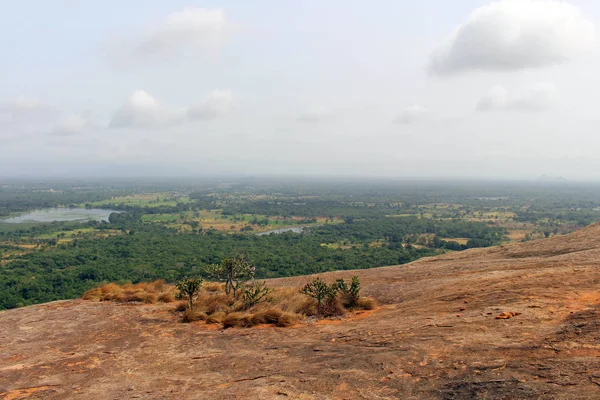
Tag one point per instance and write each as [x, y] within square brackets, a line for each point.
[168, 230]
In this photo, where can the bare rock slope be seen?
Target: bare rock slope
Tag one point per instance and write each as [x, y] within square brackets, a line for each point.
[519, 321]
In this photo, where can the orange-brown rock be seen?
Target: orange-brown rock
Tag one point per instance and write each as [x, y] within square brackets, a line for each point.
[507, 315]
[412, 347]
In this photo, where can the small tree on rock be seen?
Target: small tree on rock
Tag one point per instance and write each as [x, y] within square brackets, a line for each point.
[237, 270]
[350, 294]
[322, 292]
[214, 271]
[189, 287]
[255, 293]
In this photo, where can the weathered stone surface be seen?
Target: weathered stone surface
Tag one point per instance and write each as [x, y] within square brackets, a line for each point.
[413, 347]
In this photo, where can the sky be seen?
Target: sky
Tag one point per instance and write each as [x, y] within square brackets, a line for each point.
[430, 88]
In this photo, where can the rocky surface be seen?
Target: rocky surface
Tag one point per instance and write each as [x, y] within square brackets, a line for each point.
[519, 321]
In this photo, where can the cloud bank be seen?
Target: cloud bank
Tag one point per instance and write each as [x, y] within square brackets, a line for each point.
[514, 34]
[412, 114]
[70, 125]
[538, 97]
[315, 115]
[190, 29]
[218, 103]
[141, 110]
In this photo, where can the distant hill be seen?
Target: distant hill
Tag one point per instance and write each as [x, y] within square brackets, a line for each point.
[514, 321]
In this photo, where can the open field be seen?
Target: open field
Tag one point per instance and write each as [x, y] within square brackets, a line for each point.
[144, 200]
[515, 321]
[214, 219]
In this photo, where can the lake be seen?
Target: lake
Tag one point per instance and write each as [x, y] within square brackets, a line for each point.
[296, 229]
[60, 214]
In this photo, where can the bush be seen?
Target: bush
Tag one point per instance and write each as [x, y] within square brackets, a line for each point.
[324, 294]
[237, 270]
[350, 294]
[254, 294]
[255, 304]
[189, 288]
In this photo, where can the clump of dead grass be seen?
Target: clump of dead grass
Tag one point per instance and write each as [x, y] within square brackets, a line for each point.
[145, 292]
[193, 315]
[366, 303]
[282, 307]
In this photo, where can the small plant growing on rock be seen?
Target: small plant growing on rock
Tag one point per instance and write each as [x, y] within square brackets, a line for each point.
[189, 288]
[350, 294]
[254, 294]
[237, 270]
[324, 294]
[214, 271]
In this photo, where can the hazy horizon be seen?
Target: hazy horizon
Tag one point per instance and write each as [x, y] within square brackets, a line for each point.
[493, 90]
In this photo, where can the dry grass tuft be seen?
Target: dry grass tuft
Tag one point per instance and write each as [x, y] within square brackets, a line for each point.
[287, 319]
[213, 303]
[291, 300]
[237, 319]
[150, 293]
[194, 315]
[166, 297]
[366, 303]
[216, 318]
[283, 307]
[268, 315]
[213, 287]
[333, 308]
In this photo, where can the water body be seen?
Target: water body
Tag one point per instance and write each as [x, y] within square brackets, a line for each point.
[296, 229]
[61, 215]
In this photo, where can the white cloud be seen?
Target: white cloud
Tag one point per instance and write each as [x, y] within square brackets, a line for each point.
[317, 114]
[412, 114]
[495, 98]
[70, 125]
[216, 104]
[141, 110]
[25, 102]
[25, 109]
[538, 97]
[25, 118]
[515, 34]
[192, 27]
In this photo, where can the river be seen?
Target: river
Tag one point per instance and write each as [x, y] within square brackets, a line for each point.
[295, 229]
[61, 215]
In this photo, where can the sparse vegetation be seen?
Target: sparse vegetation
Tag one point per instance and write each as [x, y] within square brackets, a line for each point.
[237, 270]
[255, 293]
[189, 289]
[153, 292]
[167, 230]
[326, 296]
[254, 305]
[350, 294]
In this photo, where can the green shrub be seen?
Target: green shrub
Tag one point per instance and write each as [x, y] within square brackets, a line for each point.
[254, 294]
[350, 294]
[189, 288]
[323, 293]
